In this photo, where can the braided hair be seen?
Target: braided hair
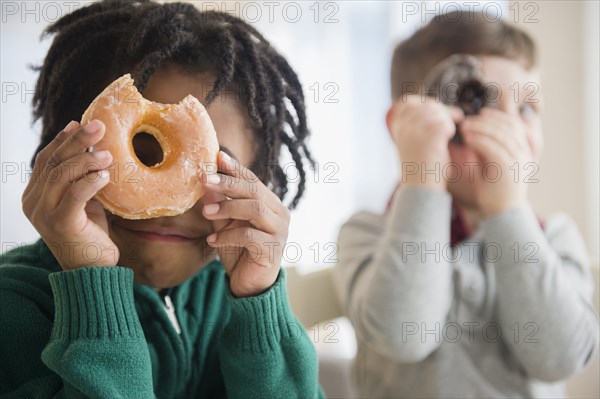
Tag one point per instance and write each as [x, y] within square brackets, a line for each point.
[97, 43]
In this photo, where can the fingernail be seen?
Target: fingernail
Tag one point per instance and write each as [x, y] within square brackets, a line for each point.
[92, 127]
[70, 126]
[225, 156]
[211, 209]
[213, 179]
[103, 155]
[103, 174]
[211, 238]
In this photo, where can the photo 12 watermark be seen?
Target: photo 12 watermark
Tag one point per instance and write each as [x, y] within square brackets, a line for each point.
[470, 171]
[256, 12]
[37, 11]
[453, 11]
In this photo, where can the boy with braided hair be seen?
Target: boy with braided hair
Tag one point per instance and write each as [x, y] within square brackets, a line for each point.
[188, 306]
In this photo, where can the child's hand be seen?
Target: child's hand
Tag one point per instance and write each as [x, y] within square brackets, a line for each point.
[500, 138]
[421, 130]
[58, 198]
[251, 228]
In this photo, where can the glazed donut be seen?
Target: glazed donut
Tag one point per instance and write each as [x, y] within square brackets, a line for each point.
[187, 139]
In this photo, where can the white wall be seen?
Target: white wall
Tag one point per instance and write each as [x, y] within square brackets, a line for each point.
[19, 47]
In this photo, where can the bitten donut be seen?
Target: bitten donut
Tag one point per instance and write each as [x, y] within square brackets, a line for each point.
[186, 136]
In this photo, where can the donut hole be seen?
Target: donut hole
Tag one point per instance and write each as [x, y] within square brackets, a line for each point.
[147, 149]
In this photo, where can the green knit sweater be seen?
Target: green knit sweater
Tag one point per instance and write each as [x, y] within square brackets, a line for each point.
[92, 332]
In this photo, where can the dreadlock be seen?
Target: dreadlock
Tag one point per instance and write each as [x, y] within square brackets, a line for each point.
[96, 44]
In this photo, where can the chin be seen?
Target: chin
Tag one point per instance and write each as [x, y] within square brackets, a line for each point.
[163, 264]
[168, 270]
[464, 194]
[160, 276]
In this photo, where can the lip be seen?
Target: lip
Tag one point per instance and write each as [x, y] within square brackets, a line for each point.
[163, 234]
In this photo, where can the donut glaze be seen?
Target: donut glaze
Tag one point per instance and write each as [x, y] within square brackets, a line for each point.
[187, 138]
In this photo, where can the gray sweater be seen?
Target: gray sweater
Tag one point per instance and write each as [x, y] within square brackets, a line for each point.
[506, 313]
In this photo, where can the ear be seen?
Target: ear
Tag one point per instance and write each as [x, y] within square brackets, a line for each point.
[389, 117]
